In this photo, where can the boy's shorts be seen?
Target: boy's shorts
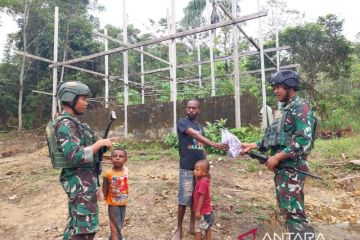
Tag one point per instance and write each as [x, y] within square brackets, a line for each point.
[186, 187]
[205, 223]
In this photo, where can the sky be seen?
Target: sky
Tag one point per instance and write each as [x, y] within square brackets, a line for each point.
[139, 11]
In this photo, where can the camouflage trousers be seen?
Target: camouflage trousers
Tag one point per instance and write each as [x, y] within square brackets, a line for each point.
[83, 220]
[290, 196]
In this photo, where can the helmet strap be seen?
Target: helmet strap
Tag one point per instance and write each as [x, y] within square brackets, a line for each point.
[287, 97]
[73, 104]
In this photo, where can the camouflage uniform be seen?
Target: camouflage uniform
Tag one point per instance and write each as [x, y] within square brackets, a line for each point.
[291, 132]
[79, 180]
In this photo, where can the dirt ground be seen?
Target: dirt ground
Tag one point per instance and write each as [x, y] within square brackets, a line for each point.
[34, 206]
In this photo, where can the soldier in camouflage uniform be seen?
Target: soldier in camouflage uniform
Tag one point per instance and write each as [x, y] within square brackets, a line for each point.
[290, 139]
[80, 148]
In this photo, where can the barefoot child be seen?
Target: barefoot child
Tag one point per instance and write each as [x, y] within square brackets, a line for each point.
[204, 216]
[115, 189]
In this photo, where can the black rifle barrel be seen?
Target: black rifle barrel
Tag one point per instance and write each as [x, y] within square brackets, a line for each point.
[98, 167]
[262, 159]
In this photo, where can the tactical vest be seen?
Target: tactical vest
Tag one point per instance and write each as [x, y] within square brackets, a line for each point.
[276, 135]
[87, 138]
[279, 134]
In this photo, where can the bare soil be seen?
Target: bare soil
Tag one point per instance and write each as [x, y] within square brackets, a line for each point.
[34, 206]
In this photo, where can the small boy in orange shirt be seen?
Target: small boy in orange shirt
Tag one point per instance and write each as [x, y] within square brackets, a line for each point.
[115, 189]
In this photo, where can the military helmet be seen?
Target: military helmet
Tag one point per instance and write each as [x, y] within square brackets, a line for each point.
[67, 91]
[288, 78]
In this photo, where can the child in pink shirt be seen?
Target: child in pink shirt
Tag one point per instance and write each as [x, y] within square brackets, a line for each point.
[204, 216]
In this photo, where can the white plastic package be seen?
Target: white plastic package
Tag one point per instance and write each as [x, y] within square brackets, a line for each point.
[233, 142]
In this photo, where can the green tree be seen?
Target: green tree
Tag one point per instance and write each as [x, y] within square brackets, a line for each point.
[321, 50]
[75, 39]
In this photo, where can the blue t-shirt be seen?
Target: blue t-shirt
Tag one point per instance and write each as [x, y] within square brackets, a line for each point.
[190, 149]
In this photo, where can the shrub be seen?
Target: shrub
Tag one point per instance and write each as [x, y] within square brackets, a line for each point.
[171, 141]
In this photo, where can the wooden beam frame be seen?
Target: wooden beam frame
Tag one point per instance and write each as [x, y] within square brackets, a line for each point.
[161, 39]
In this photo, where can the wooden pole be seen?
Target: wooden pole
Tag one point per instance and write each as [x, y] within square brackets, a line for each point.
[242, 54]
[126, 71]
[135, 49]
[277, 52]
[199, 59]
[277, 58]
[86, 70]
[161, 39]
[56, 43]
[173, 63]
[106, 79]
[142, 76]
[271, 69]
[262, 63]
[212, 62]
[244, 33]
[168, 21]
[33, 56]
[236, 69]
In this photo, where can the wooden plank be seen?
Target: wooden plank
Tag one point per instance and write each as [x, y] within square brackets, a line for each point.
[135, 49]
[86, 70]
[271, 69]
[33, 56]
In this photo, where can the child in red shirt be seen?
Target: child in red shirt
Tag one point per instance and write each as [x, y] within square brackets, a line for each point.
[115, 189]
[204, 216]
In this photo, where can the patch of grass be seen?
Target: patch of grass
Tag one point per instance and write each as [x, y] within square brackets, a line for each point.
[270, 205]
[224, 215]
[217, 197]
[262, 217]
[352, 167]
[140, 145]
[238, 210]
[252, 166]
[33, 189]
[144, 158]
[336, 148]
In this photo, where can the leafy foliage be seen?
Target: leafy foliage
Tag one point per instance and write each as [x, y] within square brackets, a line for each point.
[171, 141]
[321, 50]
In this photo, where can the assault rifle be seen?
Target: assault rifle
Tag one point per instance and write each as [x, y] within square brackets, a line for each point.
[98, 166]
[262, 159]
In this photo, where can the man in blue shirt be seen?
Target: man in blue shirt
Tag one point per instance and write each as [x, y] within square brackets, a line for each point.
[191, 149]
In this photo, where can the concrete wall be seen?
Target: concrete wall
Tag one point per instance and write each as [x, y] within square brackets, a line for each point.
[154, 120]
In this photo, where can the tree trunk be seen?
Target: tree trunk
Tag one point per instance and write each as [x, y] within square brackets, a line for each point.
[22, 70]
